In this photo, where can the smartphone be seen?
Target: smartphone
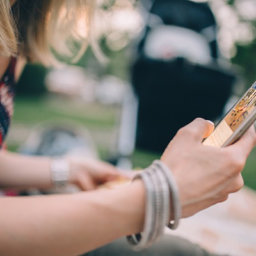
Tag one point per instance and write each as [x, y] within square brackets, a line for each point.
[236, 122]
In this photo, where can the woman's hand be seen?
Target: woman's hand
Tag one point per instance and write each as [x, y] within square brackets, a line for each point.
[88, 173]
[205, 175]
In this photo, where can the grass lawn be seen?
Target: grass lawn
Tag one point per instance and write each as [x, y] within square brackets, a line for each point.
[101, 121]
[31, 112]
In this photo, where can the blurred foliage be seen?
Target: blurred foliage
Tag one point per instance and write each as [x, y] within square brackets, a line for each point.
[31, 81]
[107, 4]
[249, 173]
[245, 51]
[245, 58]
[117, 62]
[231, 2]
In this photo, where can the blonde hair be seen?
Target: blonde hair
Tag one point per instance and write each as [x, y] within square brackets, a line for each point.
[40, 30]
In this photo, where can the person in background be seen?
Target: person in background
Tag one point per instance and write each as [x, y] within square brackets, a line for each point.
[189, 177]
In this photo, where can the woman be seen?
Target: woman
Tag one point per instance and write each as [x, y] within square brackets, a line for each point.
[197, 176]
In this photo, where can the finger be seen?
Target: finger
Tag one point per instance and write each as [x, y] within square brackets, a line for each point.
[100, 167]
[246, 143]
[236, 184]
[85, 183]
[110, 169]
[121, 176]
[108, 166]
[198, 129]
[108, 172]
[101, 171]
[129, 174]
[110, 177]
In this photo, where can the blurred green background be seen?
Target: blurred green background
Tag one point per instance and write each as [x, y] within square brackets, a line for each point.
[35, 105]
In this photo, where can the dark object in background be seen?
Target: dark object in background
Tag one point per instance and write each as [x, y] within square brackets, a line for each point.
[31, 82]
[173, 91]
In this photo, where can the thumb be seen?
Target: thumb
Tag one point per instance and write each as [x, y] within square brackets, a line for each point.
[199, 129]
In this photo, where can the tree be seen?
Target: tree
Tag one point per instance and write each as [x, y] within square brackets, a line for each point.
[237, 19]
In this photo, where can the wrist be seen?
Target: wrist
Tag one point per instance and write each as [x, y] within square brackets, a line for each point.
[75, 168]
[139, 192]
[131, 198]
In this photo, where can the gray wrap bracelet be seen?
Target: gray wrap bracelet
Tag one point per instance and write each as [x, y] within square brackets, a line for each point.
[160, 186]
[176, 208]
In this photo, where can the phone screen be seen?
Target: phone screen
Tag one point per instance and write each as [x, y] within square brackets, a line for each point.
[234, 119]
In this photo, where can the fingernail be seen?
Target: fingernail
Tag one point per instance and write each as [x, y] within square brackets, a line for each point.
[212, 123]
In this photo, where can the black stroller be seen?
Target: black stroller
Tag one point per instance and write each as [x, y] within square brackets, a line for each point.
[178, 73]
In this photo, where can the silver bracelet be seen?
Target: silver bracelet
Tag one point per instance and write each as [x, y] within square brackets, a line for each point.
[158, 186]
[140, 241]
[162, 204]
[165, 211]
[59, 172]
[176, 207]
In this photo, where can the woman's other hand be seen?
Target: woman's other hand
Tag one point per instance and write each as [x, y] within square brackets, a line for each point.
[205, 175]
[88, 173]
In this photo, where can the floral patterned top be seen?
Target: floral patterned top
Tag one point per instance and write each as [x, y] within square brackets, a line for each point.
[6, 99]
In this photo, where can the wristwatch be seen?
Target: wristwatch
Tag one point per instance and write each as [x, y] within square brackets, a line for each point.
[60, 171]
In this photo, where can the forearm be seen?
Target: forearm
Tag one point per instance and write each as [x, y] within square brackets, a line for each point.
[22, 172]
[71, 224]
